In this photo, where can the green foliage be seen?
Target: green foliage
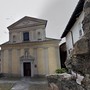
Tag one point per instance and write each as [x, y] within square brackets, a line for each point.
[62, 70]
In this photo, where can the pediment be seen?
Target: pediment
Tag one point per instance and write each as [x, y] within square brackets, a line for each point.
[26, 22]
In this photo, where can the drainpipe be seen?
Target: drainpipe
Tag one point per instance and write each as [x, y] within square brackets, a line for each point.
[72, 38]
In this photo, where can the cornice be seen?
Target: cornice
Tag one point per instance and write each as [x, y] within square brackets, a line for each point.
[49, 43]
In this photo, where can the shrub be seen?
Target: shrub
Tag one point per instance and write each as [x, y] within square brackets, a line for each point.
[62, 70]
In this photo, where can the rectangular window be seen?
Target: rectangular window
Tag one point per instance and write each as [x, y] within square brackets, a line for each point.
[26, 36]
[14, 38]
[70, 52]
[80, 32]
[39, 36]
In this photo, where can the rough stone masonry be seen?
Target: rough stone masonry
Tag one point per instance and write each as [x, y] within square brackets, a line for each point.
[81, 53]
[80, 60]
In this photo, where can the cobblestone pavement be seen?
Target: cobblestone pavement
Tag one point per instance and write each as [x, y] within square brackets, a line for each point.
[31, 84]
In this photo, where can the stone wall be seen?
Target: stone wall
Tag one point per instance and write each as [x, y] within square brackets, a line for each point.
[80, 59]
[60, 82]
[81, 53]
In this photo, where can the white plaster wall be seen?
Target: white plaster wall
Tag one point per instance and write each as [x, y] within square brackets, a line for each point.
[75, 31]
[77, 26]
[69, 44]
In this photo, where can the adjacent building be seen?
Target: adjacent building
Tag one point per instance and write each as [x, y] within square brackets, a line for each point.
[28, 52]
[74, 30]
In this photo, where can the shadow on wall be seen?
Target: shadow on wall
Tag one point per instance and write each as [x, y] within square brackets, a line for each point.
[63, 54]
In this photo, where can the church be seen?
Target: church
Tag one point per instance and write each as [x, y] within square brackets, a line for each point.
[28, 52]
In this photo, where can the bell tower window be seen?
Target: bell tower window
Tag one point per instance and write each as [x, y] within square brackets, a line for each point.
[26, 36]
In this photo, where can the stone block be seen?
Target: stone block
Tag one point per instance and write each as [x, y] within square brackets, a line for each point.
[81, 46]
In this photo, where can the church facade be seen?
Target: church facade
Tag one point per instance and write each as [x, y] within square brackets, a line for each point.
[28, 52]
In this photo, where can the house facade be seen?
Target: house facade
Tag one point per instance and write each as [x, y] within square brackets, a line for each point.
[74, 30]
[28, 52]
[72, 33]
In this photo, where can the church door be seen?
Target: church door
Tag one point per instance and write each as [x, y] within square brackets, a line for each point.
[27, 68]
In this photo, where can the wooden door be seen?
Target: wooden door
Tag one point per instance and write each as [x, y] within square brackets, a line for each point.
[27, 68]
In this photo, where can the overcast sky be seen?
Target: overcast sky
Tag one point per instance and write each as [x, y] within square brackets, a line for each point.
[57, 12]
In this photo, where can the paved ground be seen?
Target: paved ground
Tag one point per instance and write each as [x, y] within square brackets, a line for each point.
[26, 84]
[30, 84]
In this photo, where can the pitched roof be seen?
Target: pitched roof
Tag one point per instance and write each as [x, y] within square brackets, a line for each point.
[75, 15]
[26, 18]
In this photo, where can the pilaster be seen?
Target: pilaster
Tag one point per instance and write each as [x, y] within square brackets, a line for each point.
[57, 52]
[35, 61]
[10, 61]
[46, 61]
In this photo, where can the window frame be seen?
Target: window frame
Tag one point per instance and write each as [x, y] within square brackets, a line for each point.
[39, 35]
[26, 36]
[14, 38]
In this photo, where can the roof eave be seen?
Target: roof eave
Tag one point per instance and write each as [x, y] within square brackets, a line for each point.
[73, 18]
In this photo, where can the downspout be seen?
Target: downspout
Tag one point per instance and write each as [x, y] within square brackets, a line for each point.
[72, 38]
